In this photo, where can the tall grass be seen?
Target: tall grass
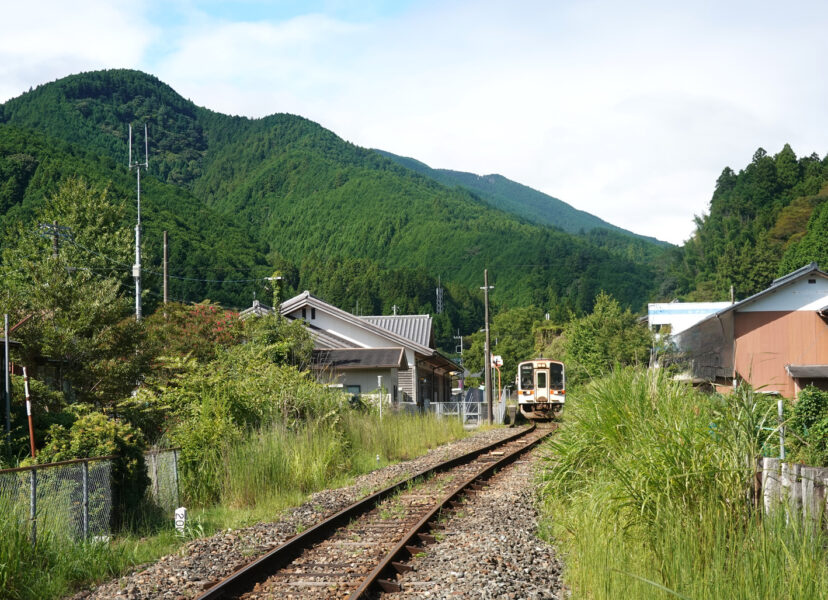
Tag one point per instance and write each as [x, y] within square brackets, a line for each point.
[278, 466]
[58, 564]
[253, 477]
[648, 489]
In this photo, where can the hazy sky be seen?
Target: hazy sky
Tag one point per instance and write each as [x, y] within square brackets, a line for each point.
[628, 110]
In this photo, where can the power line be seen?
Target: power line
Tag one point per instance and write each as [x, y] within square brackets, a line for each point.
[75, 243]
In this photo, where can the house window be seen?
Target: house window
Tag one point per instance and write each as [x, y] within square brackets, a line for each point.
[313, 312]
[304, 313]
[354, 391]
[812, 281]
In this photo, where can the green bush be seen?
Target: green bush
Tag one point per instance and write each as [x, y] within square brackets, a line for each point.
[93, 435]
[808, 426]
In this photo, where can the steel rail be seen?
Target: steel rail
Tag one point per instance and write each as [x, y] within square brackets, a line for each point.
[247, 577]
[381, 576]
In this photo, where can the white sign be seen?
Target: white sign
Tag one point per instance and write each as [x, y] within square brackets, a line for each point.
[180, 519]
[497, 361]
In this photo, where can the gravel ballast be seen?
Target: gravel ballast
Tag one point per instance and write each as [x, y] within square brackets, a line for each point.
[200, 563]
[489, 549]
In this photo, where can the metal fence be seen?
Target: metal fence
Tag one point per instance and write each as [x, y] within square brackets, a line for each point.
[162, 468]
[470, 408]
[72, 498]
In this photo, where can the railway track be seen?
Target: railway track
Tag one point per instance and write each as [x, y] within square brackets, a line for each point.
[357, 552]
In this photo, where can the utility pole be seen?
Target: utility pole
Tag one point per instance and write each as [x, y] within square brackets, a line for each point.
[54, 239]
[487, 359]
[8, 381]
[439, 307]
[166, 277]
[136, 268]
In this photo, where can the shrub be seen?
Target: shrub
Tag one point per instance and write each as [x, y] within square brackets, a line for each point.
[809, 425]
[93, 435]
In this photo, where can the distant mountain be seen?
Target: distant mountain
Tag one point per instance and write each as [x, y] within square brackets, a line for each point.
[295, 196]
[518, 199]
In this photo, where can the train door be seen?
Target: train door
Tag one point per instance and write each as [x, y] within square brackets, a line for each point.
[541, 385]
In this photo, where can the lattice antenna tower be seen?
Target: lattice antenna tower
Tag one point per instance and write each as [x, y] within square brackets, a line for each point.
[439, 306]
[136, 268]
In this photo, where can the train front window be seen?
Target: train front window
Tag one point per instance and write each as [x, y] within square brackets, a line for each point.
[556, 376]
[541, 380]
[526, 380]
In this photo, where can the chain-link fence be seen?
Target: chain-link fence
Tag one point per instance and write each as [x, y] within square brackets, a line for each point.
[162, 468]
[72, 498]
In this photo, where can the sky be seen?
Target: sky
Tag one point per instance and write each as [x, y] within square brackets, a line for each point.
[627, 110]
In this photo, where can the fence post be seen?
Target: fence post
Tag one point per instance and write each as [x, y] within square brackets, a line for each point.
[156, 491]
[175, 474]
[85, 469]
[33, 503]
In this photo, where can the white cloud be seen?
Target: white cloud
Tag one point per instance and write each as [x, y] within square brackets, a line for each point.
[628, 111]
[42, 40]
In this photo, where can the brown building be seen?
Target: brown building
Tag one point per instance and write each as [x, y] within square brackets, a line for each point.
[776, 340]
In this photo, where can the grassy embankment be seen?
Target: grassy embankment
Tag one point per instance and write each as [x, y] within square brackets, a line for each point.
[256, 478]
[647, 492]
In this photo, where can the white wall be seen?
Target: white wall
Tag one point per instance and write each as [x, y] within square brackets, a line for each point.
[336, 326]
[797, 296]
[681, 315]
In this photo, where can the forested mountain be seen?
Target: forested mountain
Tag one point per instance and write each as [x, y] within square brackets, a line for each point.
[518, 199]
[767, 220]
[253, 195]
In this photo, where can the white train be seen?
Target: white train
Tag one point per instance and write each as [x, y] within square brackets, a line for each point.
[541, 388]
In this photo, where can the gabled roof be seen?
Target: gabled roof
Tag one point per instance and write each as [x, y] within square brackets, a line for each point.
[306, 299]
[416, 328]
[257, 310]
[775, 286]
[326, 339]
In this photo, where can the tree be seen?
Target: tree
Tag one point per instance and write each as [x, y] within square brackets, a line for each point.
[78, 315]
[511, 335]
[608, 336]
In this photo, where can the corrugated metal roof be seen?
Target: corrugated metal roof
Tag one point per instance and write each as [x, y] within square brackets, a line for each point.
[416, 328]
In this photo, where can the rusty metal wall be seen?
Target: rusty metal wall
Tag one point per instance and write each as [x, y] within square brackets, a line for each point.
[767, 341]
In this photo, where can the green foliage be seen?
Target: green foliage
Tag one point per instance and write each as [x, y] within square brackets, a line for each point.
[649, 486]
[813, 245]
[609, 336]
[289, 185]
[808, 427]
[531, 205]
[94, 434]
[199, 331]
[755, 229]
[510, 334]
[78, 315]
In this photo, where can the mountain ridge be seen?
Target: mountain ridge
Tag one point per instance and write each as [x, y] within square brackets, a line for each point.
[311, 196]
[518, 199]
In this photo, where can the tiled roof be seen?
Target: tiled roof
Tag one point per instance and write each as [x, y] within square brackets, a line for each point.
[416, 328]
[338, 359]
[257, 310]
